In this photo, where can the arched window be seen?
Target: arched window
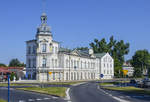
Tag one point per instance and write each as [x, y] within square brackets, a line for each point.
[44, 63]
[43, 47]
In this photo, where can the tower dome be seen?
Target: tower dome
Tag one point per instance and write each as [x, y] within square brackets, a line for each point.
[44, 28]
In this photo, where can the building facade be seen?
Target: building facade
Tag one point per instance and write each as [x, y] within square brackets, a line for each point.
[47, 61]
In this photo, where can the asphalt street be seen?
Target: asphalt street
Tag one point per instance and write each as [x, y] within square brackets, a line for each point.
[86, 92]
[91, 92]
[24, 96]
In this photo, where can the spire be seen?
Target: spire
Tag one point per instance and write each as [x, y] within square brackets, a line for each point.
[44, 29]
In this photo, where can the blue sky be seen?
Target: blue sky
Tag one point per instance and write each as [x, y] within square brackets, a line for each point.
[75, 23]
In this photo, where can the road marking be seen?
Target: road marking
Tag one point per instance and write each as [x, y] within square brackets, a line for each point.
[47, 98]
[21, 101]
[54, 97]
[119, 99]
[121, 96]
[30, 99]
[67, 95]
[38, 99]
[116, 98]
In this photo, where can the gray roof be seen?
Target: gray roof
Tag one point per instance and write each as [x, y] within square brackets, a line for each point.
[64, 50]
[31, 40]
[99, 55]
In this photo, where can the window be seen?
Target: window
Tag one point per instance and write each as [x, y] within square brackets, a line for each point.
[72, 63]
[104, 71]
[55, 49]
[85, 64]
[88, 64]
[53, 76]
[52, 63]
[34, 62]
[34, 50]
[29, 63]
[81, 64]
[78, 64]
[110, 65]
[44, 62]
[66, 63]
[29, 50]
[56, 63]
[43, 47]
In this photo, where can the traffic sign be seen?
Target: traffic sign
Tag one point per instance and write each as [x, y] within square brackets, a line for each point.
[101, 75]
[50, 73]
[125, 72]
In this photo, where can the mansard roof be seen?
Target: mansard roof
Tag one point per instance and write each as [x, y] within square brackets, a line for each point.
[99, 55]
[31, 40]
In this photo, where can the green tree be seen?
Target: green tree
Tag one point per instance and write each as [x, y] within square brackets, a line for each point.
[16, 63]
[117, 49]
[82, 48]
[2, 65]
[140, 62]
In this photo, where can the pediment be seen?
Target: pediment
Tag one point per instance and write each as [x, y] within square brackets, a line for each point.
[75, 52]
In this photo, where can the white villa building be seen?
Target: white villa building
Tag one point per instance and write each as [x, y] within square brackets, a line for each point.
[47, 61]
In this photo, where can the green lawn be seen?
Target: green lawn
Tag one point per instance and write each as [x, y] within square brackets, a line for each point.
[1, 100]
[5, 84]
[129, 89]
[64, 83]
[112, 83]
[58, 91]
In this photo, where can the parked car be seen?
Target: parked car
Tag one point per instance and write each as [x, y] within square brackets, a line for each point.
[146, 84]
[133, 81]
[140, 83]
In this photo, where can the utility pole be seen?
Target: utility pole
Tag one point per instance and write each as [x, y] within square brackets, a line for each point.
[8, 77]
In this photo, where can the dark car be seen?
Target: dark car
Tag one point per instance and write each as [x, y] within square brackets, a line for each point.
[146, 84]
[132, 81]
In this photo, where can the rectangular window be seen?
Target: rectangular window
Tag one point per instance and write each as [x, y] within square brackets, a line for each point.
[44, 63]
[53, 76]
[29, 50]
[44, 48]
[34, 50]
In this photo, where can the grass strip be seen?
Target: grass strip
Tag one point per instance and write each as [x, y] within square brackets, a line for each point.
[63, 83]
[5, 84]
[1, 100]
[129, 89]
[58, 91]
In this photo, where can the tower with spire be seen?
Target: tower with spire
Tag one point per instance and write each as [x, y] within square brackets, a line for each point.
[41, 52]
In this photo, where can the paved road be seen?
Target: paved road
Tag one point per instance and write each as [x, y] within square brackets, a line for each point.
[24, 96]
[90, 92]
